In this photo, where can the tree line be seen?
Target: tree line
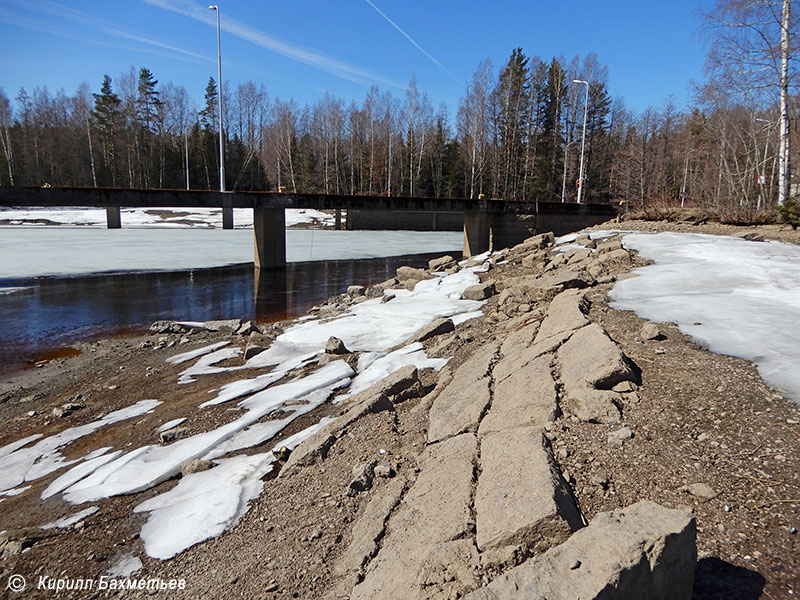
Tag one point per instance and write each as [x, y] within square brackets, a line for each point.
[517, 135]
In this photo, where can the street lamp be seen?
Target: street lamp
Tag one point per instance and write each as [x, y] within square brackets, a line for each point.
[227, 213]
[583, 138]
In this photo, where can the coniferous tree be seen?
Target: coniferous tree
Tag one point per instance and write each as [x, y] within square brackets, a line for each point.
[106, 116]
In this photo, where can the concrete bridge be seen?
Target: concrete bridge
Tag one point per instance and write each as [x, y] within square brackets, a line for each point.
[487, 223]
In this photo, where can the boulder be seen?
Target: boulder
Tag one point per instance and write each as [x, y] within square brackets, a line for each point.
[406, 273]
[591, 357]
[363, 475]
[480, 291]
[195, 466]
[247, 328]
[650, 331]
[567, 312]
[437, 327]
[618, 437]
[526, 398]
[256, 344]
[173, 434]
[591, 364]
[335, 346]
[619, 255]
[354, 291]
[224, 326]
[641, 551]
[442, 263]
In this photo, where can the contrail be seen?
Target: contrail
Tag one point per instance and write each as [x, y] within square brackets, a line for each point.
[410, 39]
[320, 61]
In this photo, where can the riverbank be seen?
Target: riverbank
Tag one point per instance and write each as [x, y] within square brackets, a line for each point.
[704, 433]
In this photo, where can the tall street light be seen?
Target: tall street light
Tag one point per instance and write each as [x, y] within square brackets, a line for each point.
[227, 213]
[583, 138]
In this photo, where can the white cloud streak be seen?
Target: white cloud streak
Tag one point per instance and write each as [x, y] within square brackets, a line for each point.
[255, 36]
[152, 46]
[410, 39]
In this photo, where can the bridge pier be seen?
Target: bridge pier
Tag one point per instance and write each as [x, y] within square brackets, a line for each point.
[476, 232]
[269, 234]
[113, 218]
[227, 217]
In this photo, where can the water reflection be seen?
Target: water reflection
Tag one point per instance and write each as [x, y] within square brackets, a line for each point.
[52, 312]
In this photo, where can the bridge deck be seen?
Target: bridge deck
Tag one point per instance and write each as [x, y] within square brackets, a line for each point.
[160, 198]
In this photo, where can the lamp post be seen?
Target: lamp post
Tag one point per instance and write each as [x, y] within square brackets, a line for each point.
[227, 213]
[583, 138]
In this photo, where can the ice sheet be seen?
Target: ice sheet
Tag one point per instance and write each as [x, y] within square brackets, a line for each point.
[379, 367]
[75, 251]
[202, 505]
[125, 566]
[733, 296]
[30, 463]
[147, 466]
[373, 325]
[170, 424]
[184, 356]
[72, 519]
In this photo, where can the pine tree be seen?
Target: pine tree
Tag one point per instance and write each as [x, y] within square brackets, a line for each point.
[208, 116]
[147, 100]
[106, 115]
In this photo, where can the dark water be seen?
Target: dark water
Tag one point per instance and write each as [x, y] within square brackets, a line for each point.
[55, 312]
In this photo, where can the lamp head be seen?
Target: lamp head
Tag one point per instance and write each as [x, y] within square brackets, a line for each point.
[213, 7]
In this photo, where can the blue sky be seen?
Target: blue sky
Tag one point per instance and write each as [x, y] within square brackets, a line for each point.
[299, 49]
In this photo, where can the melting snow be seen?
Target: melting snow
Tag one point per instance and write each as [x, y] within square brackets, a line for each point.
[27, 464]
[202, 505]
[179, 358]
[125, 566]
[72, 519]
[170, 424]
[733, 296]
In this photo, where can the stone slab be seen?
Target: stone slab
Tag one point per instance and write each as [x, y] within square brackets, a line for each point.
[641, 551]
[434, 512]
[464, 401]
[527, 397]
[521, 498]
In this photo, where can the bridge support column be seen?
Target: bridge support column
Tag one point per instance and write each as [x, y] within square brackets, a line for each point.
[476, 233]
[227, 217]
[269, 229]
[113, 219]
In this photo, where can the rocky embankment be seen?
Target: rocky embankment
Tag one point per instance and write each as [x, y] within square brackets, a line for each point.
[567, 450]
[487, 513]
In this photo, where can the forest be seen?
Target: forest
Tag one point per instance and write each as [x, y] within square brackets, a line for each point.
[517, 134]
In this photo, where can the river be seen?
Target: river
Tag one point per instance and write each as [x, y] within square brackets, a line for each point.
[49, 297]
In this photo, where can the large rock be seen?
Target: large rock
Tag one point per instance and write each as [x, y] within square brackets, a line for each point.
[591, 364]
[567, 312]
[642, 551]
[521, 497]
[426, 552]
[527, 397]
[479, 291]
[437, 327]
[442, 263]
[591, 357]
[406, 273]
[462, 403]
